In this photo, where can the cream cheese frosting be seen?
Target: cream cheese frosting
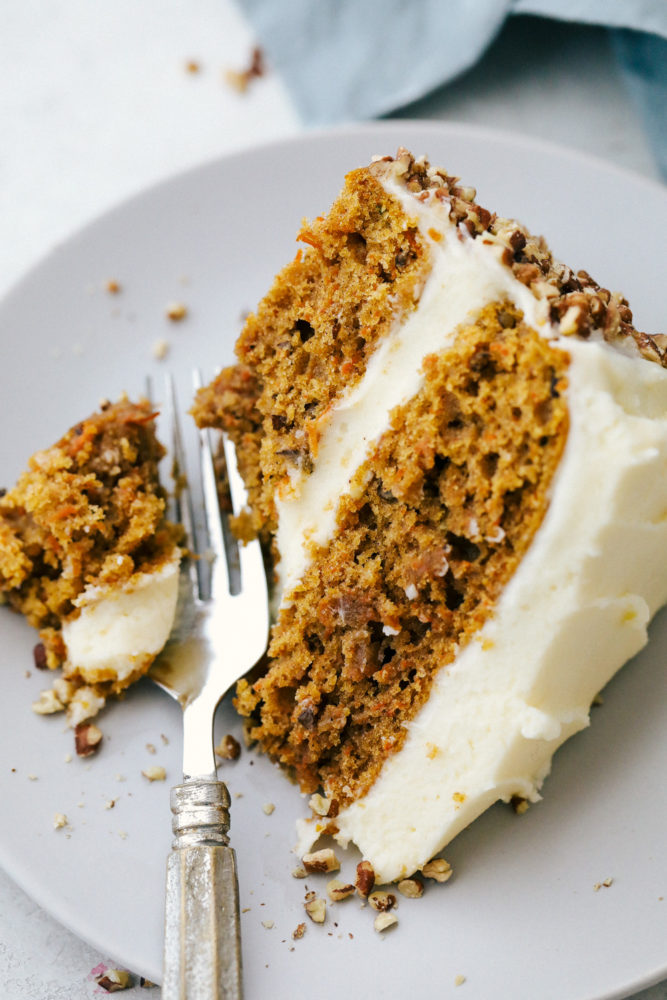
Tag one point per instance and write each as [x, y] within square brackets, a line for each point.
[577, 607]
[118, 629]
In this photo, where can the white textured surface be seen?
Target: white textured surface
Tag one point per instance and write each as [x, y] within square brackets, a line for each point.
[96, 104]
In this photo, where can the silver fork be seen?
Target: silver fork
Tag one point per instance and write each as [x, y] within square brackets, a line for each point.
[220, 632]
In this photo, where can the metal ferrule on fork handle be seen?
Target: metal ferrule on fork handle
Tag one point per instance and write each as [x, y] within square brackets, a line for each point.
[202, 936]
[200, 810]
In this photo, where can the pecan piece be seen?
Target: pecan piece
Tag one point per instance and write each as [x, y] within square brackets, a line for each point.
[338, 890]
[365, 879]
[384, 920]
[114, 980]
[382, 901]
[316, 909]
[87, 739]
[321, 861]
[438, 869]
[411, 888]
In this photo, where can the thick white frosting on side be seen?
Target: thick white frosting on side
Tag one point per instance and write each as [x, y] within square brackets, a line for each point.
[119, 629]
[576, 609]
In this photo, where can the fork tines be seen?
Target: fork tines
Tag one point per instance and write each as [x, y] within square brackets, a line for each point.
[213, 549]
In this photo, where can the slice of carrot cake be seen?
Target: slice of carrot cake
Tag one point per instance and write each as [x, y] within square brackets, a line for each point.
[457, 447]
[87, 556]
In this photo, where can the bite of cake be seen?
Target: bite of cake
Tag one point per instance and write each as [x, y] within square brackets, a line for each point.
[457, 449]
[87, 555]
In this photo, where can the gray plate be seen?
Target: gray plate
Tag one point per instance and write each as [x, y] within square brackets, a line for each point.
[520, 919]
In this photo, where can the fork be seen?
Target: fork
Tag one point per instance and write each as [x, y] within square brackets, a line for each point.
[220, 632]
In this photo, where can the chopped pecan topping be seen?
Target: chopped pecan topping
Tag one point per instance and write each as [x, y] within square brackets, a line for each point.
[412, 888]
[365, 879]
[323, 806]
[384, 920]
[114, 980]
[321, 861]
[438, 869]
[87, 739]
[382, 901]
[338, 890]
[39, 656]
[316, 909]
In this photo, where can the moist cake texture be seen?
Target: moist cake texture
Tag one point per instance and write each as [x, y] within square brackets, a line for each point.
[87, 556]
[444, 433]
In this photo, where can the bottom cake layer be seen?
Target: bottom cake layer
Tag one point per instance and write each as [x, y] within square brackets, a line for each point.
[576, 610]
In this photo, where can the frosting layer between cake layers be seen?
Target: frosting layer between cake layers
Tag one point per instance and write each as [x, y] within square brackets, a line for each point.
[575, 610]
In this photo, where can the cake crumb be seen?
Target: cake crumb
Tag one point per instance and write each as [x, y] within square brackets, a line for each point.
[33, 777]
[176, 311]
[151, 748]
[459, 980]
[519, 804]
[160, 349]
[113, 286]
[155, 773]
[268, 808]
[299, 931]
[268, 924]
[48, 703]
[59, 821]
[228, 748]
[605, 883]
[299, 872]
[192, 66]
[240, 79]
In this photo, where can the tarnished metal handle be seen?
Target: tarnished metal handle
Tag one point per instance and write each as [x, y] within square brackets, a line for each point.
[202, 947]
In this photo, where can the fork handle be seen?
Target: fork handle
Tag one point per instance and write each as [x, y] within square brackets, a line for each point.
[202, 950]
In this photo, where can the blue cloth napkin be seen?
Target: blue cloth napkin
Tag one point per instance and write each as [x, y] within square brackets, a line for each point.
[346, 60]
